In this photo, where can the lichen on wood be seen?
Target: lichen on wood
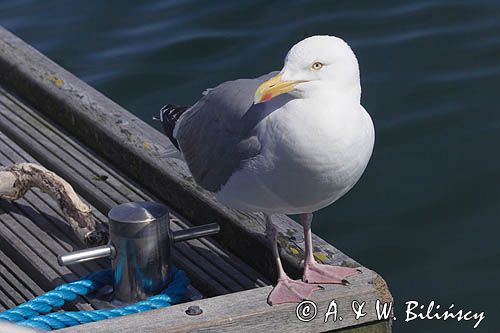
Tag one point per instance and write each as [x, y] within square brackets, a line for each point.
[17, 179]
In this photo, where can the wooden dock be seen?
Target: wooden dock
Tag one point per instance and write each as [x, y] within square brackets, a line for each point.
[50, 117]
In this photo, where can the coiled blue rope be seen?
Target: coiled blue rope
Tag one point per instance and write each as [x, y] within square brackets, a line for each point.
[35, 313]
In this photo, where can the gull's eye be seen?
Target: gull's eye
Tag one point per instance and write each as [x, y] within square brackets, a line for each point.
[317, 66]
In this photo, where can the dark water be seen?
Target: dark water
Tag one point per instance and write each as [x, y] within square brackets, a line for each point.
[426, 213]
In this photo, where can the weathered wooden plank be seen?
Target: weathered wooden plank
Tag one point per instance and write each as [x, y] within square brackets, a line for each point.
[41, 216]
[5, 301]
[16, 154]
[248, 311]
[377, 327]
[14, 223]
[37, 210]
[18, 279]
[31, 239]
[28, 253]
[214, 274]
[50, 144]
[191, 266]
[247, 276]
[201, 279]
[8, 289]
[57, 158]
[58, 136]
[144, 154]
[32, 123]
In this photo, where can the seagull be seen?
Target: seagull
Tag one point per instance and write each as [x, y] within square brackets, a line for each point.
[288, 142]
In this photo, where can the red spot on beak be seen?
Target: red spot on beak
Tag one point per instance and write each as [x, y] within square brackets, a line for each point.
[266, 97]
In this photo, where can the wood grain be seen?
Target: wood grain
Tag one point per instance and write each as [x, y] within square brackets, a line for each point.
[28, 136]
[248, 311]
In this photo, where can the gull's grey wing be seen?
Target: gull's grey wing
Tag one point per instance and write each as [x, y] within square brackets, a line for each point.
[216, 134]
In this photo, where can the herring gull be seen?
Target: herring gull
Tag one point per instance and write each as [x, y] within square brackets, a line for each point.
[289, 142]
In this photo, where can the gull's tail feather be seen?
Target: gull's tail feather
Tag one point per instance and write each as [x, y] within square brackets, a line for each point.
[169, 115]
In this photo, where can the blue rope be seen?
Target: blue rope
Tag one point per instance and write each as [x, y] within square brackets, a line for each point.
[57, 297]
[35, 313]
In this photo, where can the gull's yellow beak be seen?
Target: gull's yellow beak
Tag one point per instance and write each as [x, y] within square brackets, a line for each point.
[272, 88]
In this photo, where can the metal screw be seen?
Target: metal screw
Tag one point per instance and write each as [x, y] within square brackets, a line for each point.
[194, 310]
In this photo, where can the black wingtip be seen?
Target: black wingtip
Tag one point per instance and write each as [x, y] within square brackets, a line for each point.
[169, 115]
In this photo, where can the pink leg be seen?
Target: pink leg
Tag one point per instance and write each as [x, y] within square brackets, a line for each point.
[319, 273]
[286, 289]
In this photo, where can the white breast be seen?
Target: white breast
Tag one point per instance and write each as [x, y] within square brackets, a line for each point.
[308, 159]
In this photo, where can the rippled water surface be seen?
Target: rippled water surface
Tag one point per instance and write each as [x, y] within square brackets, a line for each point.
[426, 214]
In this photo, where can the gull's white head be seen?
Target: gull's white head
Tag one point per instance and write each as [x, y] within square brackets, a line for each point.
[317, 65]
